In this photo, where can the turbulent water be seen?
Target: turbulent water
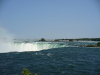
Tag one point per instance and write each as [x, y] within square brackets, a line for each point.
[50, 58]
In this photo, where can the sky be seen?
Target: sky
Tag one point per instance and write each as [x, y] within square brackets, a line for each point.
[51, 19]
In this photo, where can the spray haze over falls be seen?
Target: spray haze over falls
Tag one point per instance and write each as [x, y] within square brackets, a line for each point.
[5, 40]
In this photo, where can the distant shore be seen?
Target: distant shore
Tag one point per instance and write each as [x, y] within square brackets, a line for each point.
[65, 40]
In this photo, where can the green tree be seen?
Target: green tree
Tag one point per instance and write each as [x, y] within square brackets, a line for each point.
[98, 44]
[27, 72]
[42, 39]
[56, 40]
[70, 40]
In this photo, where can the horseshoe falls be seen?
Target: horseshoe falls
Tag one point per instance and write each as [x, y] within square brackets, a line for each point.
[37, 46]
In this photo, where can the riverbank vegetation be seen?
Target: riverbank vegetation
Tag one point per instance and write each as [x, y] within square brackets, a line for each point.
[27, 72]
[97, 45]
[42, 39]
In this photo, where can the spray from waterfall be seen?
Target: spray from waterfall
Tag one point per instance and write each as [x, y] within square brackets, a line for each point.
[6, 40]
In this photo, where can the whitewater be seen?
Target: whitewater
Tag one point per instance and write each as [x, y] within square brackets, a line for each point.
[36, 46]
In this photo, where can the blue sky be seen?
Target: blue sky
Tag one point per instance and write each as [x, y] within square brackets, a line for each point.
[51, 19]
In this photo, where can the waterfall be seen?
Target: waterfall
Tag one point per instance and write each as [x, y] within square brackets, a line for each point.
[36, 46]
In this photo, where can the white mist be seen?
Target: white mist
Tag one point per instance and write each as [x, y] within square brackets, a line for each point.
[6, 41]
